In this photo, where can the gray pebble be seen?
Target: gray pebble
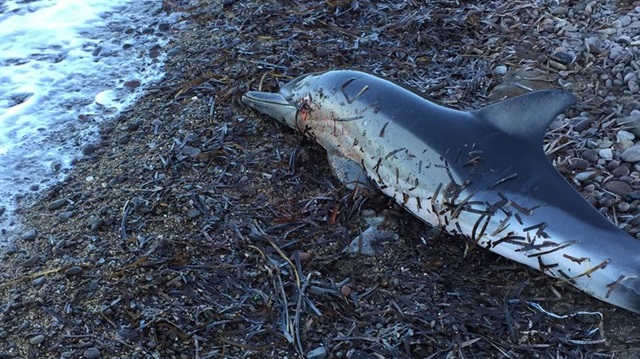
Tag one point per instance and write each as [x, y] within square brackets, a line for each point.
[620, 171]
[39, 281]
[73, 270]
[612, 165]
[618, 187]
[581, 164]
[630, 77]
[559, 10]
[24, 326]
[583, 124]
[317, 353]
[631, 154]
[58, 203]
[585, 176]
[590, 155]
[88, 149]
[604, 203]
[91, 353]
[625, 39]
[193, 213]
[190, 151]
[630, 123]
[623, 206]
[634, 87]
[626, 179]
[64, 216]
[606, 153]
[594, 44]
[37, 339]
[623, 135]
[95, 224]
[29, 235]
[500, 70]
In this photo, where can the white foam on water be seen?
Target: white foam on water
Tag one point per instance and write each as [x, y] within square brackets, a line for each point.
[65, 66]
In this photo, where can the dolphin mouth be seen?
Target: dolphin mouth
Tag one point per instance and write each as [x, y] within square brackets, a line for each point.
[274, 105]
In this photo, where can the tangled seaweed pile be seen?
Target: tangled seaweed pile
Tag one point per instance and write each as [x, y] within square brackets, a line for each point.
[196, 230]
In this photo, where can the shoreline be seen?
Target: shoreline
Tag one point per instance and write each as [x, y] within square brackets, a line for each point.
[188, 233]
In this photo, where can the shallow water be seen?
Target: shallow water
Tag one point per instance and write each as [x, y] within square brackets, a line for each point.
[65, 66]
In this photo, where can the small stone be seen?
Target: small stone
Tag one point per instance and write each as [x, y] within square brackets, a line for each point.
[631, 76]
[39, 281]
[58, 203]
[581, 164]
[634, 87]
[624, 144]
[630, 123]
[88, 149]
[620, 171]
[190, 151]
[564, 58]
[64, 216]
[612, 165]
[594, 45]
[623, 206]
[559, 10]
[605, 202]
[317, 353]
[95, 224]
[193, 213]
[73, 270]
[91, 353]
[585, 176]
[29, 235]
[583, 124]
[618, 187]
[625, 39]
[606, 154]
[631, 154]
[500, 70]
[590, 155]
[37, 339]
[623, 135]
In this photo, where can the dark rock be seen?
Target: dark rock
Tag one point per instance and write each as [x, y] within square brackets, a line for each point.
[73, 270]
[582, 124]
[580, 164]
[618, 187]
[58, 203]
[88, 149]
[64, 216]
[590, 155]
[620, 171]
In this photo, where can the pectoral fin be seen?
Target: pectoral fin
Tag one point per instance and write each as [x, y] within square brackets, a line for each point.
[349, 172]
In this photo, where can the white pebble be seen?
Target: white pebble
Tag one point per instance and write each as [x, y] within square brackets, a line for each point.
[623, 135]
[606, 153]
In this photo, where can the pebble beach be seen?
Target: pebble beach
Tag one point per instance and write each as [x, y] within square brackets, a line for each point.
[189, 227]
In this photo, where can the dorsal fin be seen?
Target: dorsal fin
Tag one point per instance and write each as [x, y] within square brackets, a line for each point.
[527, 116]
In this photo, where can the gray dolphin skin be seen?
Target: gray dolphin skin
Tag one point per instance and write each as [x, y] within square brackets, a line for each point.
[482, 174]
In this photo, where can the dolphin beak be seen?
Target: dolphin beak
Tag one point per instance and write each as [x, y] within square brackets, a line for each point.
[273, 105]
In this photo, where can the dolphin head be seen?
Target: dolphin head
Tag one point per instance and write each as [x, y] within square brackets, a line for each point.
[281, 105]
